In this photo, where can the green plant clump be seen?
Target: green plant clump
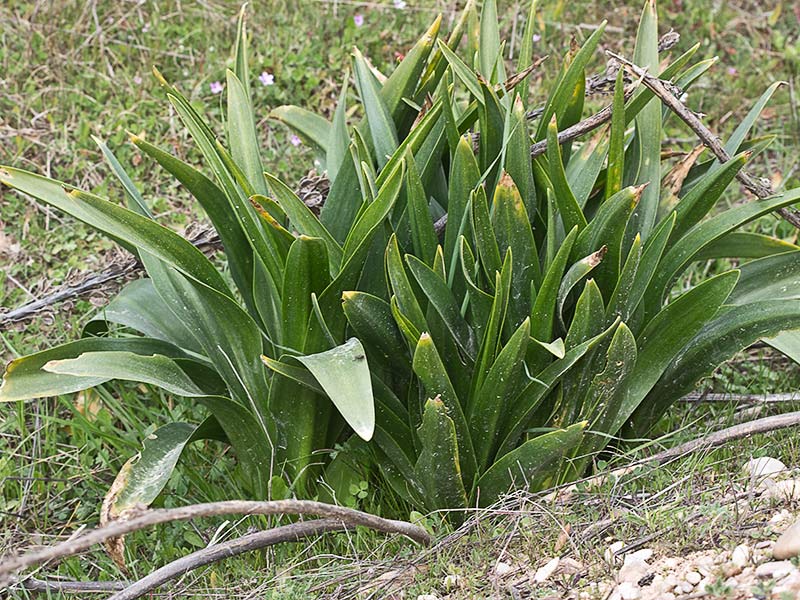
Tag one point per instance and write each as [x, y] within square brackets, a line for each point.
[462, 316]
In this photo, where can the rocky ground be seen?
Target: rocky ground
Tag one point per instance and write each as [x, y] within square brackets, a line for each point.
[763, 565]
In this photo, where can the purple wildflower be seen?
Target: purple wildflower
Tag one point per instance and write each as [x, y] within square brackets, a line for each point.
[732, 71]
[266, 78]
[358, 20]
[294, 140]
[399, 4]
[536, 37]
[216, 87]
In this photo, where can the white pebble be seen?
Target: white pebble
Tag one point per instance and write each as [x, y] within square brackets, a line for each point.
[693, 577]
[544, 573]
[629, 591]
[502, 568]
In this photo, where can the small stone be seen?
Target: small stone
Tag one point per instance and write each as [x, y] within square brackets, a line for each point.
[693, 577]
[629, 591]
[775, 570]
[764, 545]
[427, 597]
[502, 568]
[741, 555]
[544, 573]
[643, 555]
[788, 545]
[569, 566]
[764, 467]
[451, 581]
[632, 571]
[784, 491]
[610, 553]
[781, 516]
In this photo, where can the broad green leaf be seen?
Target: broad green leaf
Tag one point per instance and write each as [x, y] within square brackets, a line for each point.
[787, 343]
[637, 273]
[485, 239]
[438, 463]
[491, 340]
[372, 321]
[229, 336]
[339, 140]
[344, 375]
[517, 157]
[606, 229]
[573, 276]
[306, 274]
[302, 219]
[530, 466]
[775, 277]
[648, 131]
[490, 59]
[568, 207]
[423, 235]
[463, 72]
[155, 369]
[24, 378]
[242, 135]
[403, 293]
[544, 308]
[143, 477]
[381, 126]
[241, 66]
[464, 178]
[130, 228]
[743, 244]
[430, 369]
[512, 230]
[444, 303]
[616, 149]
[703, 196]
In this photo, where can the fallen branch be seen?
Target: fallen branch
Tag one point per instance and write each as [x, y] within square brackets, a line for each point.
[662, 90]
[32, 584]
[254, 541]
[150, 518]
[697, 397]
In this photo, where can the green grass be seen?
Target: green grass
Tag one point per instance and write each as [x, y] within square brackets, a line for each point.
[72, 69]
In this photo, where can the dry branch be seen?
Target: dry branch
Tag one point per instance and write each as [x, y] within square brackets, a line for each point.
[150, 518]
[707, 442]
[254, 541]
[662, 89]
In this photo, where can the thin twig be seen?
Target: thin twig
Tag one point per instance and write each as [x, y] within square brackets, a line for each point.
[709, 397]
[662, 90]
[150, 518]
[254, 541]
[707, 442]
[32, 584]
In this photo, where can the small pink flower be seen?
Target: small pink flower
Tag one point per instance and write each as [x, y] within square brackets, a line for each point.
[137, 80]
[536, 37]
[732, 71]
[295, 141]
[358, 20]
[266, 78]
[399, 4]
[216, 87]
